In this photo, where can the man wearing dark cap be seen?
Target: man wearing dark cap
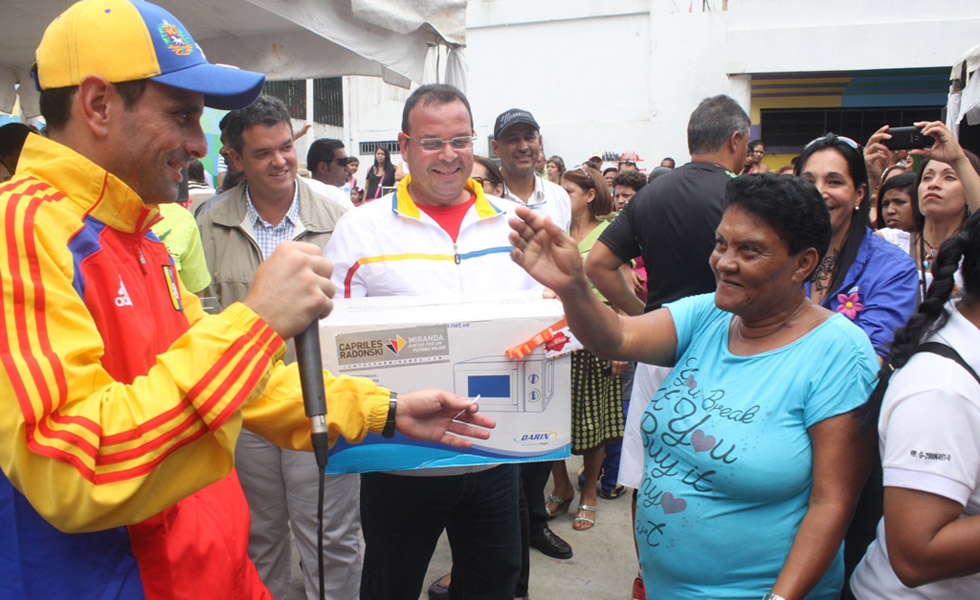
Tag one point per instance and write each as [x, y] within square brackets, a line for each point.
[517, 142]
[121, 401]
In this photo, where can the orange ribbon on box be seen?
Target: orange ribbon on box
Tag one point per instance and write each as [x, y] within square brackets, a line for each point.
[545, 335]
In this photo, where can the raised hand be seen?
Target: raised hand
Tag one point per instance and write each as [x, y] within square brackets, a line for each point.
[876, 154]
[546, 252]
[438, 416]
[946, 148]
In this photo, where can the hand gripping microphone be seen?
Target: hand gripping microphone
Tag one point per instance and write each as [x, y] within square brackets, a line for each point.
[314, 396]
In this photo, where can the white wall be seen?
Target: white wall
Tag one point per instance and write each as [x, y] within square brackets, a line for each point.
[848, 34]
[624, 75]
[583, 80]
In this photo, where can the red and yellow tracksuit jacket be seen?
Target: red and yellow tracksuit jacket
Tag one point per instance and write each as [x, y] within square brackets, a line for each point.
[121, 401]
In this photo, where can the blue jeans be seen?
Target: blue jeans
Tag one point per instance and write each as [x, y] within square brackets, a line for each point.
[402, 518]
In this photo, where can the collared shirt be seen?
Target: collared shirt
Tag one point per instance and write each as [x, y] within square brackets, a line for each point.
[547, 199]
[269, 236]
[330, 192]
[883, 280]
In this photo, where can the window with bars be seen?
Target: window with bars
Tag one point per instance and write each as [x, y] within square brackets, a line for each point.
[293, 94]
[367, 148]
[328, 101]
[789, 129]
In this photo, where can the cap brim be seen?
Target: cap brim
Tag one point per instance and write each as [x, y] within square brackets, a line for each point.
[224, 87]
[517, 121]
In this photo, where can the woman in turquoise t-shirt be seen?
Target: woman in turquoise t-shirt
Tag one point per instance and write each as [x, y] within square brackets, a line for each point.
[754, 459]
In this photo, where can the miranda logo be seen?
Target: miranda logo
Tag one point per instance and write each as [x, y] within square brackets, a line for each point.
[396, 344]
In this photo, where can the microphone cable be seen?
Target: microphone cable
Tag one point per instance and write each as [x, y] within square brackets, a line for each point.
[315, 404]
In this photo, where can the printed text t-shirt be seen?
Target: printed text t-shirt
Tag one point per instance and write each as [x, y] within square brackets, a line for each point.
[727, 469]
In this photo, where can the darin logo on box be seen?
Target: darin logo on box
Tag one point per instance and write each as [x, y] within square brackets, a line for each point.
[535, 437]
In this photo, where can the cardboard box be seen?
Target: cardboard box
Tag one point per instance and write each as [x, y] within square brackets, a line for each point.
[410, 343]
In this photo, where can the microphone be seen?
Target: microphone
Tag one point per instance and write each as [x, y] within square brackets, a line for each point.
[314, 396]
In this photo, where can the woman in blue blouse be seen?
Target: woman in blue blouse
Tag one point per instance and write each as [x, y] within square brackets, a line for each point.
[754, 458]
[862, 276]
[868, 279]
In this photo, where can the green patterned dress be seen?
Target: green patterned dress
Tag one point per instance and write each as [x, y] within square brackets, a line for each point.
[597, 404]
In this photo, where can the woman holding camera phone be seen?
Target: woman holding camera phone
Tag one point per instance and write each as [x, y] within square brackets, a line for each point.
[947, 184]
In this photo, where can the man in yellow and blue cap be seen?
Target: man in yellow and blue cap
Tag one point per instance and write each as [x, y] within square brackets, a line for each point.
[120, 400]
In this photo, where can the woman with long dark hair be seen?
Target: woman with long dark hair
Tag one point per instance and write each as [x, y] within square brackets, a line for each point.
[382, 174]
[928, 415]
[864, 277]
[947, 189]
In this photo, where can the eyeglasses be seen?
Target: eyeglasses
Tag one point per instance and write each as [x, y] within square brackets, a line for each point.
[343, 161]
[483, 181]
[436, 144]
[831, 138]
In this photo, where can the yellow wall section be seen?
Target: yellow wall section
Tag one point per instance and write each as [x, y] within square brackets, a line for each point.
[791, 102]
[834, 84]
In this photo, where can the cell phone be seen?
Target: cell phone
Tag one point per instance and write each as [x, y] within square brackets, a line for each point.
[906, 138]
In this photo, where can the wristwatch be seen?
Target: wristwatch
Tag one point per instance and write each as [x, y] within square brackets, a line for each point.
[771, 596]
[389, 430]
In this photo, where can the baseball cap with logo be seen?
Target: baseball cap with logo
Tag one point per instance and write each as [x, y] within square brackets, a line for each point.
[126, 40]
[510, 117]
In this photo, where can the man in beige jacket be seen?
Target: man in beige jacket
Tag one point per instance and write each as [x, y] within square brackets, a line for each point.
[239, 230]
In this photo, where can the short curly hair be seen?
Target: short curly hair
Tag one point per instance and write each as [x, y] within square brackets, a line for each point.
[630, 178]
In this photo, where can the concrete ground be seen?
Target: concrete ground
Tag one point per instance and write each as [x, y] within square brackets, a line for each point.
[602, 568]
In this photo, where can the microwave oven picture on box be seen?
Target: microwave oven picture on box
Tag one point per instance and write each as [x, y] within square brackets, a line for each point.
[505, 385]
[459, 345]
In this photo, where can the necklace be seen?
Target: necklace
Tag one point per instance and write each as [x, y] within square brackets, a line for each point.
[824, 272]
[926, 257]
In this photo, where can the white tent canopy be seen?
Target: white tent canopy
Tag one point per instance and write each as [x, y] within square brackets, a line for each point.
[964, 96]
[281, 38]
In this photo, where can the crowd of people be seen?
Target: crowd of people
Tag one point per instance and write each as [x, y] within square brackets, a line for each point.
[781, 366]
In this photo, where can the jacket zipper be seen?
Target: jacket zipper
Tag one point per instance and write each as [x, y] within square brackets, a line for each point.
[139, 250]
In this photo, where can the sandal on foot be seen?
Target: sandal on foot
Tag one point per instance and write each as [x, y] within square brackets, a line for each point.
[581, 523]
[561, 506]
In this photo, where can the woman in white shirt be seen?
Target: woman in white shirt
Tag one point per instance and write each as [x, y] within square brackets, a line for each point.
[928, 543]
